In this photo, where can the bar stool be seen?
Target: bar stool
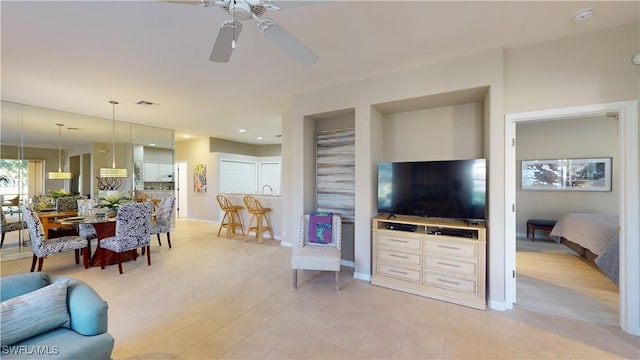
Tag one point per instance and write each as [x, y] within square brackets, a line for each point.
[261, 215]
[231, 219]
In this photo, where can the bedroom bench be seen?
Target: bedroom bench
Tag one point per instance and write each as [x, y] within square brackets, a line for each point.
[538, 224]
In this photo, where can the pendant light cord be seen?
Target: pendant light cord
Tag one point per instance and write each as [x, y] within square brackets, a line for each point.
[113, 137]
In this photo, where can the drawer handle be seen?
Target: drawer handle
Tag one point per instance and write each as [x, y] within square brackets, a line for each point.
[398, 272]
[449, 282]
[400, 241]
[399, 256]
[449, 247]
[446, 264]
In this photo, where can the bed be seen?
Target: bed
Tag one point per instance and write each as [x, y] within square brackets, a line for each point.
[593, 236]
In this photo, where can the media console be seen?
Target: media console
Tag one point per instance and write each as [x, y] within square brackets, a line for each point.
[437, 258]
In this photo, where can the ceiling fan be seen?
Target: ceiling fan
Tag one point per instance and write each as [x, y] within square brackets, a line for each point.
[241, 10]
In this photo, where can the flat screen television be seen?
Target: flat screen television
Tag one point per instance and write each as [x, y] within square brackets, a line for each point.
[452, 189]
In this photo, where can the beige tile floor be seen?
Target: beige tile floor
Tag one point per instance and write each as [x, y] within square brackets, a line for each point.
[220, 298]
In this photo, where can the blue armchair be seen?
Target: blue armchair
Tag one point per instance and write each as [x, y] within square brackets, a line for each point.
[83, 336]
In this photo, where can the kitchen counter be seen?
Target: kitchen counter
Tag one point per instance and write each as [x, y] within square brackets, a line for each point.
[269, 201]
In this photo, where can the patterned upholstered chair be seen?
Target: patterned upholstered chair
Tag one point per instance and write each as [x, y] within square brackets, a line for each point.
[67, 203]
[6, 227]
[163, 219]
[41, 247]
[133, 223]
[323, 256]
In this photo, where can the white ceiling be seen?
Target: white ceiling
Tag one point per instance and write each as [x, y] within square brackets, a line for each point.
[77, 55]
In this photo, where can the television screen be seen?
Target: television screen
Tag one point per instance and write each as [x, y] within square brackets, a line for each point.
[453, 189]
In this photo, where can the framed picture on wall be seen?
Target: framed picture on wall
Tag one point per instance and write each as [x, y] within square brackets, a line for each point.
[200, 178]
[592, 174]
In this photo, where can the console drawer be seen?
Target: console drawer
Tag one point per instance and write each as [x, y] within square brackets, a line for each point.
[451, 248]
[450, 265]
[400, 273]
[450, 283]
[396, 241]
[407, 258]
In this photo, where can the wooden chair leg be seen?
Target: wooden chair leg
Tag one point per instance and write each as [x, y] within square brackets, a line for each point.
[33, 262]
[148, 255]
[103, 258]
[295, 278]
[169, 239]
[86, 256]
[120, 263]
[77, 255]
[143, 250]
[40, 261]
[337, 280]
[159, 243]
[2, 242]
[266, 216]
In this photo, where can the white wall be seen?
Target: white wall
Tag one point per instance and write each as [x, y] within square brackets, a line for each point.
[445, 133]
[201, 206]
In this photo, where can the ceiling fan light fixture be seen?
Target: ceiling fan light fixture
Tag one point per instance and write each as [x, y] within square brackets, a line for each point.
[113, 172]
[582, 15]
[59, 175]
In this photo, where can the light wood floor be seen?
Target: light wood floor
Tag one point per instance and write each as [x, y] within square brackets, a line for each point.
[554, 279]
[219, 298]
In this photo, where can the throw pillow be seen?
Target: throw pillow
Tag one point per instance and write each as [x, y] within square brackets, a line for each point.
[320, 227]
[34, 313]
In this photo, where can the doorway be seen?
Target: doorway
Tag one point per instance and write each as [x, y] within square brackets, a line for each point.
[629, 202]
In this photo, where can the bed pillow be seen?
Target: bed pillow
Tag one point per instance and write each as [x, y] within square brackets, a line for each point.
[34, 313]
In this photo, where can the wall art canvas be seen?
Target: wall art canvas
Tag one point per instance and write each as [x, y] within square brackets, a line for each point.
[200, 178]
[567, 174]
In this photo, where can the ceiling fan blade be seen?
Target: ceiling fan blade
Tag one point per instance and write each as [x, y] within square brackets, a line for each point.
[188, 2]
[277, 5]
[287, 42]
[222, 48]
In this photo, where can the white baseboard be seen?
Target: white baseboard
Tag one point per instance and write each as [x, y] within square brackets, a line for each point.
[362, 276]
[497, 305]
[348, 263]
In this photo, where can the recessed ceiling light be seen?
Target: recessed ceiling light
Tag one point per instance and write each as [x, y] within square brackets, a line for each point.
[152, 144]
[259, 137]
[186, 136]
[242, 130]
[582, 15]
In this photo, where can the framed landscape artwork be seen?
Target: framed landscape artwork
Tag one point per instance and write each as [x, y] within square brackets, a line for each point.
[567, 174]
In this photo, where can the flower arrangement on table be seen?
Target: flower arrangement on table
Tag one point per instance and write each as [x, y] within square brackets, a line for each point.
[113, 202]
[58, 193]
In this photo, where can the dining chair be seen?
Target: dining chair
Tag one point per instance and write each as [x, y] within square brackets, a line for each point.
[41, 247]
[260, 215]
[12, 204]
[6, 226]
[164, 216]
[231, 218]
[319, 245]
[133, 223]
[67, 203]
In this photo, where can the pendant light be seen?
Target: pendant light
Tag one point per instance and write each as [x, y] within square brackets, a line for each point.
[113, 172]
[59, 175]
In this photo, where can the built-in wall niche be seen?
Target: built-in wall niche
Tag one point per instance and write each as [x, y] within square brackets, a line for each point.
[447, 126]
[335, 170]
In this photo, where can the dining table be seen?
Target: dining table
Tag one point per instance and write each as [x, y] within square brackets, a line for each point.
[50, 219]
[105, 227]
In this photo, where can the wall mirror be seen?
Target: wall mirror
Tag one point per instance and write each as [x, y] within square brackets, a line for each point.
[32, 145]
